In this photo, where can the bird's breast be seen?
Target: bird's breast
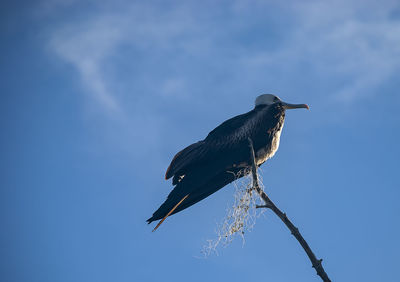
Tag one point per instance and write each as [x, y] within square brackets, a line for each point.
[272, 146]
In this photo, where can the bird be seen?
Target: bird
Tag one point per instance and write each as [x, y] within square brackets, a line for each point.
[206, 166]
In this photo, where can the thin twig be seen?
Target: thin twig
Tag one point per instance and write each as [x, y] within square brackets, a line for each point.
[316, 263]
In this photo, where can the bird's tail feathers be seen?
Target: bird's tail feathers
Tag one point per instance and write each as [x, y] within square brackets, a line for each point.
[181, 197]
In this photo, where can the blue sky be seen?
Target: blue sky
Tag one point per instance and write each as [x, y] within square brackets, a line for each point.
[98, 96]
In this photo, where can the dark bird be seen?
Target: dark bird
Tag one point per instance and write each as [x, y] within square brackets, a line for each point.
[223, 156]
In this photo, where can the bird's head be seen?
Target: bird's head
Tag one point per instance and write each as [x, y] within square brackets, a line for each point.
[269, 99]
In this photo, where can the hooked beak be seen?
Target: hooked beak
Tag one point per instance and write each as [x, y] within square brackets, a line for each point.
[288, 106]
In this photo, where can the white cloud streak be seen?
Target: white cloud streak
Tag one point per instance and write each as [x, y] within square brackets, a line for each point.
[87, 47]
[340, 39]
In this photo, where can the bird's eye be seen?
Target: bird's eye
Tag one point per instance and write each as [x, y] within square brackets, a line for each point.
[275, 99]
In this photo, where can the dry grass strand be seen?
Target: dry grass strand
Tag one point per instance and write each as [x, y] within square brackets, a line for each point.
[241, 217]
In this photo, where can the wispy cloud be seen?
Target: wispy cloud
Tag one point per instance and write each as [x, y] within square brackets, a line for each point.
[350, 48]
[87, 47]
[356, 44]
[91, 43]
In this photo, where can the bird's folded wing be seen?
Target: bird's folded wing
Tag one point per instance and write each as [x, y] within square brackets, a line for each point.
[224, 139]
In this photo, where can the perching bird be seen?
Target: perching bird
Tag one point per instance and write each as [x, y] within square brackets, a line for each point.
[223, 156]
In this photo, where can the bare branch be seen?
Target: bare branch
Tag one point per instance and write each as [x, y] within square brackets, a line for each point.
[316, 263]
